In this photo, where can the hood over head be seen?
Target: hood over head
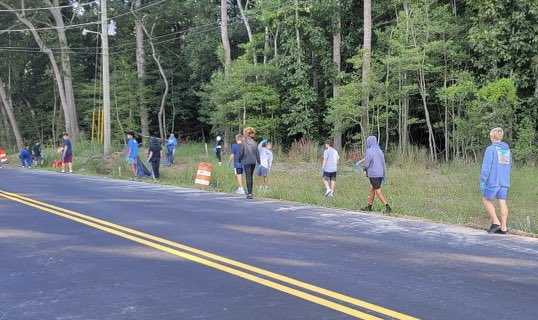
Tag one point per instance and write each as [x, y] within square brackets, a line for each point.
[371, 141]
[501, 144]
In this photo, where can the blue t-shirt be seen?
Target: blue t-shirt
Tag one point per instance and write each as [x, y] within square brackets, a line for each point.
[172, 142]
[69, 151]
[133, 145]
[235, 151]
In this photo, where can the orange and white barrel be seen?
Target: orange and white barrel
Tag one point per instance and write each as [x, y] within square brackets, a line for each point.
[203, 175]
[3, 156]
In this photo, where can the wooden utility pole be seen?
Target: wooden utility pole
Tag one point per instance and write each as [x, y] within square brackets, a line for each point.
[106, 78]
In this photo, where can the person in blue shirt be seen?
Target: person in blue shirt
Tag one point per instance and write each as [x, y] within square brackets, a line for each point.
[495, 179]
[132, 152]
[171, 145]
[26, 158]
[238, 168]
[67, 154]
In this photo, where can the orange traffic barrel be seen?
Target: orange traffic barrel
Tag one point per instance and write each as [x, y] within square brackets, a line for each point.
[3, 156]
[203, 175]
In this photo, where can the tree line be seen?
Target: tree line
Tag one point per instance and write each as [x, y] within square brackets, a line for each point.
[433, 73]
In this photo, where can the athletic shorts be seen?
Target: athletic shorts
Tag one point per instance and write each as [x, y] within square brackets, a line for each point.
[263, 171]
[238, 171]
[131, 160]
[329, 176]
[68, 159]
[376, 183]
[500, 193]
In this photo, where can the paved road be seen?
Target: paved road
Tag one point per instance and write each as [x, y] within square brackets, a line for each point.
[59, 262]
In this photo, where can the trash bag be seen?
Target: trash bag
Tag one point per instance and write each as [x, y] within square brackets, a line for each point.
[141, 170]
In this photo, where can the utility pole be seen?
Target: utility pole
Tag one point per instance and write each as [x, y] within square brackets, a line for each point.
[106, 77]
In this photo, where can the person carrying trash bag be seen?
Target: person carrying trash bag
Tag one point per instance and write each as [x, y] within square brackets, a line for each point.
[155, 154]
[375, 169]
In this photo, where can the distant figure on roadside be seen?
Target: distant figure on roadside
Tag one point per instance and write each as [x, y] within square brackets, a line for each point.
[238, 168]
[38, 157]
[329, 167]
[266, 163]
[248, 157]
[375, 169]
[155, 154]
[26, 158]
[67, 154]
[171, 145]
[495, 179]
[132, 152]
[218, 148]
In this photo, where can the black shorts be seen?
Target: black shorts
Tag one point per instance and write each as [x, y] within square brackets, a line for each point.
[376, 183]
[238, 171]
[329, 176]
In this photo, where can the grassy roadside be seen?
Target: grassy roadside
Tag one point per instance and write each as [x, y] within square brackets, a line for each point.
[445, 193]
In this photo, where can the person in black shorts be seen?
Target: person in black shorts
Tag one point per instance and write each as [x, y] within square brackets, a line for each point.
[374, 168]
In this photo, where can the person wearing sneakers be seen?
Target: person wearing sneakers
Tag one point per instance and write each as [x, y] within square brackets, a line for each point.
[67, 154]
[375, 169]
[218, 148]
[132, 152]
[238, 168]
[329, 167]
[266, 162]
[495, 179]
[26, 158]
[248, 157]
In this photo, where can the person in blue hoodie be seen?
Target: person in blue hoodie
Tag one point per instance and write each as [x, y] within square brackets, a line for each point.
[171, 145]
[495, 179]
[26, 158]
[375, 169]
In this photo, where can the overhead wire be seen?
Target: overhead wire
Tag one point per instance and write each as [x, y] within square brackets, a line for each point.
[72, 5]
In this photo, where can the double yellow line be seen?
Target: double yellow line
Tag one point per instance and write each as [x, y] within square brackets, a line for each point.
[264, 277]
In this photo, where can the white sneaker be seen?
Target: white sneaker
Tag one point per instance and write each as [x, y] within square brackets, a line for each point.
[328, 192]
[70, 171]
[63, 171]
[331, 194]
[240, 191]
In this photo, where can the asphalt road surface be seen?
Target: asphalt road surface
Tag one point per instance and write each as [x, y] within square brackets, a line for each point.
[78, 247]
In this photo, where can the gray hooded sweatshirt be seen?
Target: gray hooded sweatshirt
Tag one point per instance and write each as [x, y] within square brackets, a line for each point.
[374, 161]
[249, 153]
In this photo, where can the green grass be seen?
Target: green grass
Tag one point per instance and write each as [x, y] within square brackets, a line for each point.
[445, 193]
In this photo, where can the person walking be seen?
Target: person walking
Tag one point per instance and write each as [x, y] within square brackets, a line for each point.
[132, 152]
[26, 158]
[375, 169]
[238, 168]
[329, 167]
[155, 154]
[67, 154]
[171, 145]
[495, 180]
[266, 163]
[218, 149]
[248, 157]
[38, 156]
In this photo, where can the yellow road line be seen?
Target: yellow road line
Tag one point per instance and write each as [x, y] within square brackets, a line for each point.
[297, 283]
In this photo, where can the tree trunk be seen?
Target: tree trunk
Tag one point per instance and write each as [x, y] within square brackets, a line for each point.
[6, 132]
[67, 76]
[423, 94]
[297, 33]
[337, 61]
[11, 115]
[244, 17]
[224, 35]
[56, 70]
[366, 66]
[141, 72]
[266, 46]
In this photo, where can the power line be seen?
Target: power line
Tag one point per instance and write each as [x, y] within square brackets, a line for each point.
[73, 5]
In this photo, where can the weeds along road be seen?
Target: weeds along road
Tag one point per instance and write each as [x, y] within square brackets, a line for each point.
[77, 247]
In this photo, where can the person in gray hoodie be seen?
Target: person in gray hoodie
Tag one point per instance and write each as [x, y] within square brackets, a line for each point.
[249, 155]
[375, 169]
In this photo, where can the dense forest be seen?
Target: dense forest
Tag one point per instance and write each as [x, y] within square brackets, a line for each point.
[434, 73]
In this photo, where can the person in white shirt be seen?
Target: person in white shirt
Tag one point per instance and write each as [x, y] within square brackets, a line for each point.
[329, 167]
[266, 162]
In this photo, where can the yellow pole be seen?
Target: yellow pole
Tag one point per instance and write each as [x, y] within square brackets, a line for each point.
[93, 123]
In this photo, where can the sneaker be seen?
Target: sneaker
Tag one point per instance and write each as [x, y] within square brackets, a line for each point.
[494, 228]
[71, 171]
[501, 232]
[266, 188]
[328, 192]
[63, 171]
[250, 196]
[240, 191]
[368, 208]
[388, 209]
[331, 194]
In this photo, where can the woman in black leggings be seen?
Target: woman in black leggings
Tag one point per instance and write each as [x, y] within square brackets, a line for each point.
[248, 157]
